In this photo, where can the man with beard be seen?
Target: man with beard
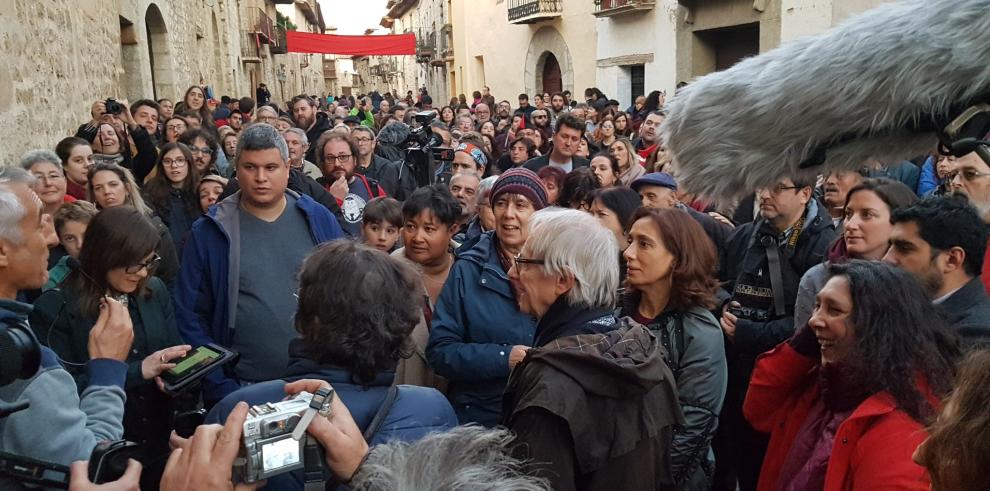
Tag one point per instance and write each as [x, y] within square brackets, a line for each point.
[941, 242]
[972, 178]
[557, 107]
[483, 113]
[236, 121]
[464, 187]
[337, 155]
[837, 186]
[503, 112]
[308, 119]
[541, 123]
[649, 134]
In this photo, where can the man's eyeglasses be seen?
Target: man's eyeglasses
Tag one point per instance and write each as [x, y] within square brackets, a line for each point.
[527, 260]
[202, 150]
[150, 265]
[967, 174]
[342, 158]
[174, 163]
[780, 188]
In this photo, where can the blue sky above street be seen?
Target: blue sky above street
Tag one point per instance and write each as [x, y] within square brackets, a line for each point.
[353, 16]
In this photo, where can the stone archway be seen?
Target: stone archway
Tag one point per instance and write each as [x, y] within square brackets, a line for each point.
[548, 44]
[216, 69]
[551, 74]
[162, 76]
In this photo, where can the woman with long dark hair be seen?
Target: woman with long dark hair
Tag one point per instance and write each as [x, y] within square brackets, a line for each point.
[77, 157]
[117, 261]
[847, 398]
[172, 192]
[671, 287]
[194, 100]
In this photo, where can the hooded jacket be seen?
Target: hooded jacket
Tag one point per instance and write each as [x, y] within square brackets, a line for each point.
[475, 325]
[596, 409]
[207, 288]
[695, 352]
[416, 411]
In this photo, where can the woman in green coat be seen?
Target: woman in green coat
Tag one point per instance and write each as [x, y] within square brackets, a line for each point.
[118, 260]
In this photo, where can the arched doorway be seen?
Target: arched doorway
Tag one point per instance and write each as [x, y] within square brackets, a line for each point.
[162, 81]
[551, 75]
[216, 69]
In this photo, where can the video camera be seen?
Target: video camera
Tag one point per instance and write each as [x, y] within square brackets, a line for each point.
[429, 161]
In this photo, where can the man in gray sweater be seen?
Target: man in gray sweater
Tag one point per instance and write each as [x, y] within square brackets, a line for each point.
[60, 426]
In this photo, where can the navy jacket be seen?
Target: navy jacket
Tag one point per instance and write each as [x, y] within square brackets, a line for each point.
[475, 324]
[536, 163]
[968, 312]
[416, 411]
[206, 290]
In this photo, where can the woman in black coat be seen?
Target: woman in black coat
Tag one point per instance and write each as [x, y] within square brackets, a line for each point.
[117, 260]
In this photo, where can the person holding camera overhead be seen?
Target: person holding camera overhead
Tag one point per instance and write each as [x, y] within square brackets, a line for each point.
[117, 137]
[64, 319]
[761, 267]
[62, 424]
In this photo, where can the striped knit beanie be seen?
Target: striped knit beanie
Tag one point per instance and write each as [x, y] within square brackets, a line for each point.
[521, 181]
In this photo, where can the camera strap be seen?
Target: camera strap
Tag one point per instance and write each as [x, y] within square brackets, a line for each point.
[776, 276]
[314, 466]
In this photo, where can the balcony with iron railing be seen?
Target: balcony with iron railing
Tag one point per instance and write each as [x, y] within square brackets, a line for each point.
[261, 24]
[609, 8]
[531, 11]
[251, 48]
[278, 45]
[426, 47]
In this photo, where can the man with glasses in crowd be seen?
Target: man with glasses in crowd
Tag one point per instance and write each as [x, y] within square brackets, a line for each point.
[337, 154]
[972, 178]
[372, 165]
[761, 268]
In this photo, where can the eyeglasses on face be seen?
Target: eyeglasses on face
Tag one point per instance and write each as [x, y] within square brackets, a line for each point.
[527, 260]
[202, 150]
[174, 163]
[150, 265]
[967, 174]
[53, 177]
[342, 158]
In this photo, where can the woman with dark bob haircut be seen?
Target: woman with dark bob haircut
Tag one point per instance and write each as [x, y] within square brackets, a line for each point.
[117, 264]
[670, 288]
[957, 451]
[847, 398]
[352, 334]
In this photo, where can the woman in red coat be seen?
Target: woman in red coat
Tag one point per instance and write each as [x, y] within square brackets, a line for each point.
[845, 400]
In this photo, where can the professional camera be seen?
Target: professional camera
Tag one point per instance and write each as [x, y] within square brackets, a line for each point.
[756, 315]
[268, 447]
[429, 161]
[113, 107]
[20, 353]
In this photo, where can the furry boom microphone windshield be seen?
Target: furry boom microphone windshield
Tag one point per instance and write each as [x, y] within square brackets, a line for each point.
[875, 86]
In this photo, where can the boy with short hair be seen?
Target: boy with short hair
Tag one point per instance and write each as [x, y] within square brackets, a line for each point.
[381, 223]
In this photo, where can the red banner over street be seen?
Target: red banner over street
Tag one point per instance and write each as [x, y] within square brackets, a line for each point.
[332, 44]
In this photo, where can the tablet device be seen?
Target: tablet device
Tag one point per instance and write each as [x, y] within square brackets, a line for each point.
[194, 366]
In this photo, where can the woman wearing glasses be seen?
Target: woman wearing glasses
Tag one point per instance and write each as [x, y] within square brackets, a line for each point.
[126, 275]
[172, 192]
[111, 185]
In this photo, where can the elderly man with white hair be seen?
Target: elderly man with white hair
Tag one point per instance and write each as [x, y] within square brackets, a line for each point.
[594, 398]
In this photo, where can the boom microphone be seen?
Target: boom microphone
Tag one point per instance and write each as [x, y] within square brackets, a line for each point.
[886, 84]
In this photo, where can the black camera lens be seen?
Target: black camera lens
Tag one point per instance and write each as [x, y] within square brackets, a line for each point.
[113, 107]
[20, 353]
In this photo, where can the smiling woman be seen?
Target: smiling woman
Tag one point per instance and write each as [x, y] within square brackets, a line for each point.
[50, 186]
[860, 373]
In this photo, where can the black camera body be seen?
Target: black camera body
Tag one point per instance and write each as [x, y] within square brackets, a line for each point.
[748, 313]
[429, 161]
[113, 107]
[108, 462]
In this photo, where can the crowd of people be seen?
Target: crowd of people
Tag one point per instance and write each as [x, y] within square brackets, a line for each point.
[551, 311]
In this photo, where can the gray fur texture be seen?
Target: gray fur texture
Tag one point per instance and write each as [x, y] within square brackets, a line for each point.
[733, 131]
[466, 458]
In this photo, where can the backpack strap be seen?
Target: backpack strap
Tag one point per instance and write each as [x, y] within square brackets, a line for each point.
[383, 410]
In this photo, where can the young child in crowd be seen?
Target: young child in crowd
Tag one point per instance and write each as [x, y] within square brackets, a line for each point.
[71, 221]
[210, 188]
[381, 223]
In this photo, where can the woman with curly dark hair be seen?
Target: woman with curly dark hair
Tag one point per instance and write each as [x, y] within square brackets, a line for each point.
[957, 451]
[577, 188]
[846, 399]
[671, 287]
[172, 193]
[351, 335]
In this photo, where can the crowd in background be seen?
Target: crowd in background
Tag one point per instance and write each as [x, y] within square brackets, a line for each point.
[553, 280]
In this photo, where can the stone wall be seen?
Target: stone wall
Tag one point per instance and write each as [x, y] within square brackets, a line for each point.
[58, 56]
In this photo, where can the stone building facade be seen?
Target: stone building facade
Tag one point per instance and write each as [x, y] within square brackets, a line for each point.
[59, 56]
[432, 67]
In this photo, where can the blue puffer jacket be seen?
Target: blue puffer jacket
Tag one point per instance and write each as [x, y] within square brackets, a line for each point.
[206, 289]
[416, 411]
[475, 325]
